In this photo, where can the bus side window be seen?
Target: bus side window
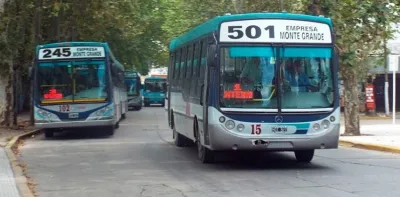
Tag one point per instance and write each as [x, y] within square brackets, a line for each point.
[171, 69]
[182, 68]
[189, 63]
[202, 65]
[177, 64]
[196, 60]
[195, 65]
[203, 59]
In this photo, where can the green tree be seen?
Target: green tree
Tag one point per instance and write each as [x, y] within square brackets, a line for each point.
[360, 28]
[131, 27]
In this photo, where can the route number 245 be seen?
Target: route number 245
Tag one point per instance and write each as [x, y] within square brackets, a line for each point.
[66, 52]
[252, 31]
[256, 129]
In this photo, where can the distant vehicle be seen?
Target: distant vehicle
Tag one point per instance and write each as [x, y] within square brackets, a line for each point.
[77, 84]
[134, 87]
[256, 81]
[154, 91]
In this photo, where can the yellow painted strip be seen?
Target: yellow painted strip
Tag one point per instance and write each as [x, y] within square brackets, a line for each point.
[57, 101]
[368, 146]
[76, 100]
[90, 100]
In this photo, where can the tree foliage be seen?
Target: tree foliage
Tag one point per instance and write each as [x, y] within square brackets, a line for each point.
[139, 32]
[131, 27]
[361, 28]
[181, 15]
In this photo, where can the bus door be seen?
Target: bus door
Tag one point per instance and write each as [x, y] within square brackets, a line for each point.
[209, 72]
[169, 78]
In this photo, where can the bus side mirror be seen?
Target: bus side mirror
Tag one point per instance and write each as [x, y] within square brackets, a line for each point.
[211, 55]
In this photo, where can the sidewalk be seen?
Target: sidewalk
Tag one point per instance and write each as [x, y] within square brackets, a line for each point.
[379, 116]
[381, 137]
[8, 184]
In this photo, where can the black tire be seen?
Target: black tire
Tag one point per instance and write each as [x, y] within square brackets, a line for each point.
[117, 125]
[147, 104]
[204, 154]
[138, 108]
[123, 116]
[48, 133]
[109, 130]
[304, 156]
[179, 139]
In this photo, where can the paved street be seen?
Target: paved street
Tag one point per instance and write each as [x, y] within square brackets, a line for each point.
[140, 161]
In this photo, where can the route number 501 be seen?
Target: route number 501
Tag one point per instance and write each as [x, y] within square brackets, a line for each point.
[252, 31]
[256, 129]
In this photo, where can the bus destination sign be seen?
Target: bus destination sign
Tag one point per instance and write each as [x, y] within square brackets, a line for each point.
[275, 31]
[71, 53]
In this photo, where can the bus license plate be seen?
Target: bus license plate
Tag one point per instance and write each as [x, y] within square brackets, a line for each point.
[280, 129]
[73, 115]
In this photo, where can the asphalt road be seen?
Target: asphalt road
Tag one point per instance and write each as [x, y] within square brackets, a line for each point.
[139, 160]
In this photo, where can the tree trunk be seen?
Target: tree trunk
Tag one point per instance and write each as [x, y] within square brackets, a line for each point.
[36, 40]
[8, 111]
[351, 102]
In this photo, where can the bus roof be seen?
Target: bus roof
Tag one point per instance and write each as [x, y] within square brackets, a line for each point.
[213, 24]
[71, 44]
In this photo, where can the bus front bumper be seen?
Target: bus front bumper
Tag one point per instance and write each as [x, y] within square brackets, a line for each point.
[223, 140]
[155, 100]
[74, 124]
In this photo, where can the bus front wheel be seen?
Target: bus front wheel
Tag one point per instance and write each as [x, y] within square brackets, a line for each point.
[304, 155]
[205, 155]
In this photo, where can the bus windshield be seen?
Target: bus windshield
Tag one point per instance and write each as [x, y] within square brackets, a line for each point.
[155, 86]
[132, 86]
[248, 78]
[79, 81]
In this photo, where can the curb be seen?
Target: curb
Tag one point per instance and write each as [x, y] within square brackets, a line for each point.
[20, 179]
[367, 146]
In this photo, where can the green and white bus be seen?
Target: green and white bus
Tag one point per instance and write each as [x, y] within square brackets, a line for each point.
[77, 84]
[132, 80]
[256, 81]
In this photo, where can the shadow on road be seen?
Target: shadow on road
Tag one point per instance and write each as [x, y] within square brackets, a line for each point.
[81, 133]
[245, 160]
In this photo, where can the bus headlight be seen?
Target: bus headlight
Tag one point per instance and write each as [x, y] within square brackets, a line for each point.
[222, 119]
[240, 127]
[230, 124]
[332, 118]
[44, 113]
[325, 124]
[316, 127]
[102, 111]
